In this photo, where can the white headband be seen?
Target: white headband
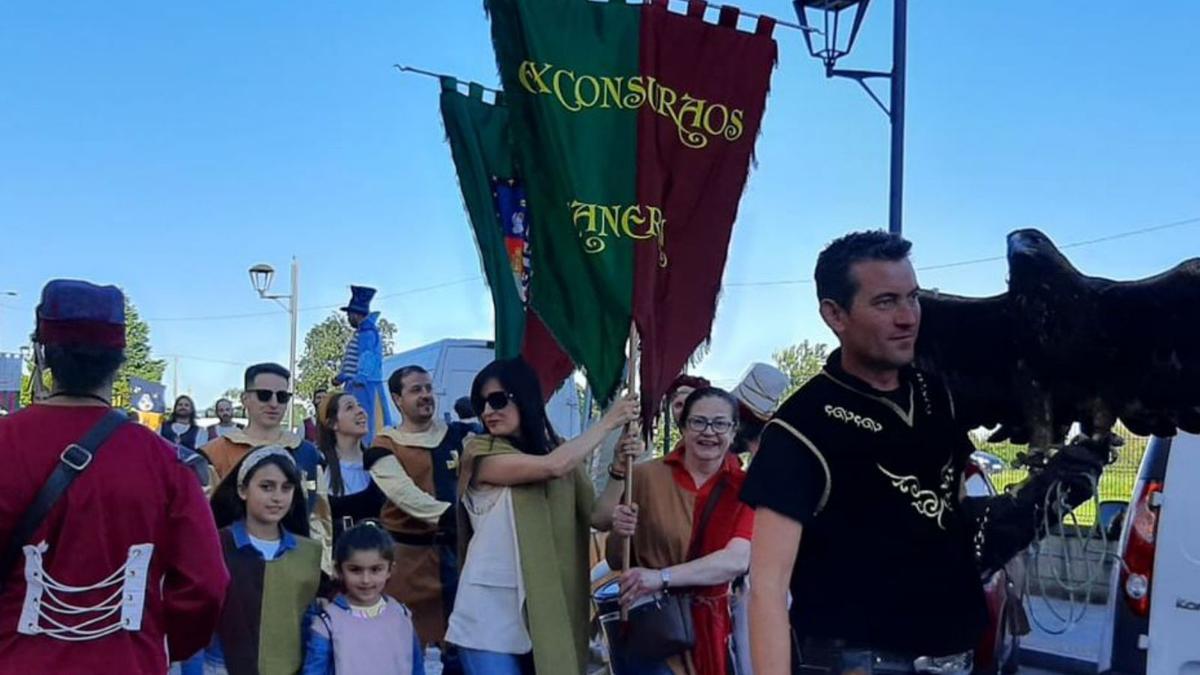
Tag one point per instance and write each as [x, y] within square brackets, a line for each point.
[255, 458]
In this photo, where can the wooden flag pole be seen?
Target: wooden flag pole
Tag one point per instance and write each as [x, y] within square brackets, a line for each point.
[627, 500]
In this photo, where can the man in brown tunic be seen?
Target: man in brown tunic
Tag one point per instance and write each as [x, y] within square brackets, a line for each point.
[416, 466]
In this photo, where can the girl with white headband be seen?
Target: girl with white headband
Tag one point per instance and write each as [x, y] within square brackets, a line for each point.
[274, 566]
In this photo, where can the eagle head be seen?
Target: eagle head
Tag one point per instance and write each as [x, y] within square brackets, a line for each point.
[1032, 244]
[1033, 257]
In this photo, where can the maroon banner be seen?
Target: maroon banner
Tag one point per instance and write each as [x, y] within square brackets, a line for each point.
[693, 163]
[543, 352]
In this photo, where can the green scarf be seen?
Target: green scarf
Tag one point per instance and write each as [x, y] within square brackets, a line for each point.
[553, 522]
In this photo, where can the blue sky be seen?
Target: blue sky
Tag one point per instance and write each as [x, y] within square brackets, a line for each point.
[167, 147]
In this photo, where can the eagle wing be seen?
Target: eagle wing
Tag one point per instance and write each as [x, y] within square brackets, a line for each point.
[1152, 329]
[968, 343]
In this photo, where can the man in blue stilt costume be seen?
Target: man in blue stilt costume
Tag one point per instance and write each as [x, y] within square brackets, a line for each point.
[362, 365]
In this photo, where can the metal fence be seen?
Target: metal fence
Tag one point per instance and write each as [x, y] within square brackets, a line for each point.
[1116, 484]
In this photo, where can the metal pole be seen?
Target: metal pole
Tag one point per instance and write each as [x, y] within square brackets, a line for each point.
[7, 294]
[899, 65]
[293, 308]
[175, 380]
[631, 370]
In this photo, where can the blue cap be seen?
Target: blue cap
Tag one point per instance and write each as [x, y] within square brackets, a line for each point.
[78, 313]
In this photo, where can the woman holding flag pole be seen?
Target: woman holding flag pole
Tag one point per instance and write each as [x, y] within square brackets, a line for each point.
[687, 536]
[522, 604]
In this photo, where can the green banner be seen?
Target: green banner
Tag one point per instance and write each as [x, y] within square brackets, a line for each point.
[577, 148]
[633, 126]
[479, 142]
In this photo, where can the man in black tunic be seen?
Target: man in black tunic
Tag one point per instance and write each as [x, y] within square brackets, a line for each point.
[865, 461]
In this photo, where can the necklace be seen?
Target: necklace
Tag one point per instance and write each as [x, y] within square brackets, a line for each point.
[94, 397]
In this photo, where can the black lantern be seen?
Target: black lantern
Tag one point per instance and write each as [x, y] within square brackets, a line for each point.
[261, 277]
[827, 17]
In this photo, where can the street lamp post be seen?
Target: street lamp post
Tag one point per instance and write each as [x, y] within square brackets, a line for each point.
[261, 276]
[5, 294]
[836, 45]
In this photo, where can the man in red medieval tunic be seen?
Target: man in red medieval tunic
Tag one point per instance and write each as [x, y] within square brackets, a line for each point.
[124, 571]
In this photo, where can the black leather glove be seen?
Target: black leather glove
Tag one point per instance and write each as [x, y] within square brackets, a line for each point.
[1004, 525]
[1077, 467]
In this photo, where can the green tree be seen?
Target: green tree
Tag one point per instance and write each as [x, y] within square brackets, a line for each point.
[323, 348]
[138, 361]
[801, 362]
[27, 383]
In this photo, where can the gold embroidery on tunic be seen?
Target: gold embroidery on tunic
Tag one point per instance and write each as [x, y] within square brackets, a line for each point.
[928, 503]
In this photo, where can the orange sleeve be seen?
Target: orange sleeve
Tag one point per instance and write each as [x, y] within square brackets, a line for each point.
[220, 455]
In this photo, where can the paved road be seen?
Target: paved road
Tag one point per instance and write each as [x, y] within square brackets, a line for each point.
[1079, 638]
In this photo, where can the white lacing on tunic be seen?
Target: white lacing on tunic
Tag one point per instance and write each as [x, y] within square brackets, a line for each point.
[47, 610]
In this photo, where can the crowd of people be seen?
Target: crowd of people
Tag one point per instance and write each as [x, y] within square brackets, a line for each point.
[350, 547]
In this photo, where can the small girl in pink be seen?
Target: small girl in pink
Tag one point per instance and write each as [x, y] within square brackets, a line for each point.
[362, 631]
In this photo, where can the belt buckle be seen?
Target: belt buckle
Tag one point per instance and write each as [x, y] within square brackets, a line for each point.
[944, 665]
[76, 456]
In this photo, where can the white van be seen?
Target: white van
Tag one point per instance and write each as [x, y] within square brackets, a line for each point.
[453, 364]
[1153, 618]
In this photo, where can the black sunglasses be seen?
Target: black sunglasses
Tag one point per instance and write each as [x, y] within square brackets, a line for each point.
[264, 395]
[497, 400]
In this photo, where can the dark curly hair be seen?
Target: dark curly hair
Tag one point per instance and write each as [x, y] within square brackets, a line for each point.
[834, 281]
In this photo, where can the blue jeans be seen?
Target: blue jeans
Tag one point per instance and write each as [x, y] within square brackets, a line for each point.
[478, 662]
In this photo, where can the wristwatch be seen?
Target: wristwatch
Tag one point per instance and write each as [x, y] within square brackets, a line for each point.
[665, 575]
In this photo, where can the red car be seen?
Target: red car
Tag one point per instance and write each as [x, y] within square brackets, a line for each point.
[999, 645]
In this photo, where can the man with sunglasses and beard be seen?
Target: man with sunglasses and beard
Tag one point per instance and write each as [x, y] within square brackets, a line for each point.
[266, 397]
[416, 466]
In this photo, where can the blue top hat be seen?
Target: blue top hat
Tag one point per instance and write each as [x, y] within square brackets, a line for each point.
[360, 300]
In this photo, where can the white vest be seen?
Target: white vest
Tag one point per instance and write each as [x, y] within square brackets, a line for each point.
[489, 608]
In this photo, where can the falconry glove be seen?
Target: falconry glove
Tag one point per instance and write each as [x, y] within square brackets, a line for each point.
[1004, 525]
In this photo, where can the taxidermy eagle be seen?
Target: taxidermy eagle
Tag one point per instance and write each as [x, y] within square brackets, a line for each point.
[1062, 347]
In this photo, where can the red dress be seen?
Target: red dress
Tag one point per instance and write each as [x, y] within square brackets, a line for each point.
[135, 494]
[731, 519]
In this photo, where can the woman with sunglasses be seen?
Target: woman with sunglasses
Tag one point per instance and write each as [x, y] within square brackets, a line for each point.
[522, 604]
[690, 535]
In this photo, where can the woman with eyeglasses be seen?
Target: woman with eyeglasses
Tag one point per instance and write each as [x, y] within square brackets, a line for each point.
[690, 536]
[522, 605]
